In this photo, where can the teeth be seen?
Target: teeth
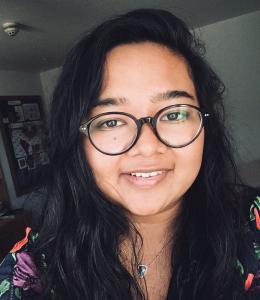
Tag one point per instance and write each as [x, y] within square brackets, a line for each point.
[146, 174]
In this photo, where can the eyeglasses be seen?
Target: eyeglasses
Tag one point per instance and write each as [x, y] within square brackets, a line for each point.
[114, 133]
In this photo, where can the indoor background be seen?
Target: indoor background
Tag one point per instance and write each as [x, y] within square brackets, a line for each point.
[30, 61]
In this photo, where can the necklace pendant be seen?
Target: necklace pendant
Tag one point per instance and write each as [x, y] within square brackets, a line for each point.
[141, 270]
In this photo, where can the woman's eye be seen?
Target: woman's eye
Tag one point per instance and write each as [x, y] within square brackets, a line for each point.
[175, 116]
[110, 124]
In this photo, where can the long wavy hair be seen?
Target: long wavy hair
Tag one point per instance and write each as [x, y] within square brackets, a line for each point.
[81, 229]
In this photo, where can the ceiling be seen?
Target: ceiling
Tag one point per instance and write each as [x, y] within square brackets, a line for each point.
[51, 26]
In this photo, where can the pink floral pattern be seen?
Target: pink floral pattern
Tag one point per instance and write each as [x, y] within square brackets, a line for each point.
[25, 273]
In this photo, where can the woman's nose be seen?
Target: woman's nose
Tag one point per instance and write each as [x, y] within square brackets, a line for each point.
[147, 143]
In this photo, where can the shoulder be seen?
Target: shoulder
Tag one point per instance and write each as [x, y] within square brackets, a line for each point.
[17, 271]
[249, 250]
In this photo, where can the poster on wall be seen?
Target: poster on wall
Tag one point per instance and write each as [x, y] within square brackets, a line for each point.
[25, 139]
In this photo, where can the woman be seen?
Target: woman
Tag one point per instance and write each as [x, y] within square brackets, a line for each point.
[143, 197]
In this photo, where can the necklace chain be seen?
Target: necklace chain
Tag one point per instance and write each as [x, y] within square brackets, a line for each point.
[143, 268]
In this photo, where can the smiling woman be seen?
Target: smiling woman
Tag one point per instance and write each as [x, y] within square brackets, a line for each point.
[144, 152]
[143, 196]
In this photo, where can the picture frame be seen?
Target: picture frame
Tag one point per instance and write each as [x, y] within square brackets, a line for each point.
[23, 128]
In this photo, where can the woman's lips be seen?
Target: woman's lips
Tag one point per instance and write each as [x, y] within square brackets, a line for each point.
[145, 181]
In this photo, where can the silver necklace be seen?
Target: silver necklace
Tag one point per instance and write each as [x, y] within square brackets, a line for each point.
[142, 268]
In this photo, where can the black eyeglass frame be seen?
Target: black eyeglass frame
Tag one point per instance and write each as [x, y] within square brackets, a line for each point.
[84, 127]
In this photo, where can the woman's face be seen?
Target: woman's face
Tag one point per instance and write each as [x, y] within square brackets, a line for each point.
[139, 74]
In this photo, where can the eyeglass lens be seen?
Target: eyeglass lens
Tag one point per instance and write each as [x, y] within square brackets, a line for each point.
[115, 133]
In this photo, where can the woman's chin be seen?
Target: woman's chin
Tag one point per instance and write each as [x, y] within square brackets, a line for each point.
[144, 210]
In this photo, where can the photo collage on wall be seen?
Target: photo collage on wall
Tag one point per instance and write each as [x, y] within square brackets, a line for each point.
[26, 136]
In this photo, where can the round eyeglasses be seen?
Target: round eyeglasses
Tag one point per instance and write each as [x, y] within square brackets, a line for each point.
[114, 133]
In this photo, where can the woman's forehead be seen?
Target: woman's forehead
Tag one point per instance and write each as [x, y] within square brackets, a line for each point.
[144, 68]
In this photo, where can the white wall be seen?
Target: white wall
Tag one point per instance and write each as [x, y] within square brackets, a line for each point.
[48, 81]
[233, 47]
[11, 84]
[19, 83]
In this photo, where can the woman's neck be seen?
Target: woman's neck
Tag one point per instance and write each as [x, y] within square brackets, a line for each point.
[157, 235]
[156, 232]
[155, 229]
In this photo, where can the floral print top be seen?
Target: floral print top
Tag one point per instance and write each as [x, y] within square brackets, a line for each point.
[18, 272]
[19, 276]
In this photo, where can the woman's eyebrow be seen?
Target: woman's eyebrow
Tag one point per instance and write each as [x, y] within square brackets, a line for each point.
[110, 101]
[156, 98]
[168, 95]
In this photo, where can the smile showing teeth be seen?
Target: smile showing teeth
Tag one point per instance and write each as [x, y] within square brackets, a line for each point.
[147, 174]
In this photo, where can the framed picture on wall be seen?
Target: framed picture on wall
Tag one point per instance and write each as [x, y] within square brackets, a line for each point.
[24, 134]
